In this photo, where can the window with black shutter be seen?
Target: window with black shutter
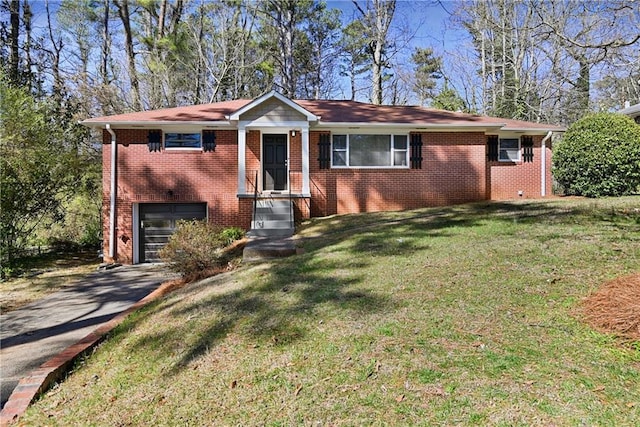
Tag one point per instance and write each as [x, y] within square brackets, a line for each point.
[154, 140]
[527, 149]
[492, 148]
[324, 151]
[416, 151]
[209, 140]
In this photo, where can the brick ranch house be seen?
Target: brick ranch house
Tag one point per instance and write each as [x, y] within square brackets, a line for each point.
[233, 162]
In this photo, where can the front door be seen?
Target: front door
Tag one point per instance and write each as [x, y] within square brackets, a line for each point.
[274, 165]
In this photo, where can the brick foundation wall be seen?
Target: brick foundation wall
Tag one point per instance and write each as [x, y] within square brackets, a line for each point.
[507, 179]
[171, 176]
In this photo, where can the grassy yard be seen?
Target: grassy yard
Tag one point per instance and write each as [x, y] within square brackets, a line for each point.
[44, 274]
[466, 315]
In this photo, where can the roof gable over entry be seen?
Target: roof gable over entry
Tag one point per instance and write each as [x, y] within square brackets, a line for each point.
[273, 107]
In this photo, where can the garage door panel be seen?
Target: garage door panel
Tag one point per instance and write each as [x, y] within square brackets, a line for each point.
[190, 211]
[158, 222]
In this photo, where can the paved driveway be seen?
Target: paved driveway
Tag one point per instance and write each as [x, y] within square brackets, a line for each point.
[33, 334]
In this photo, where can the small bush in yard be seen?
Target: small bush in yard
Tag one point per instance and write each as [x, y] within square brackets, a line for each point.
[599, 155]
[197, 247]
[232, 234]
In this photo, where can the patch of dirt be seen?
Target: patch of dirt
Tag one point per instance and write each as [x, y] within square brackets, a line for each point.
[615, 307]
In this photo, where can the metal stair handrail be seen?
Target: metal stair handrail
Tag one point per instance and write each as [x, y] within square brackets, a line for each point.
[255, 199]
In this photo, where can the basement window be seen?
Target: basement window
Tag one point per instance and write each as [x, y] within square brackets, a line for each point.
[509, 150]
[182, 140]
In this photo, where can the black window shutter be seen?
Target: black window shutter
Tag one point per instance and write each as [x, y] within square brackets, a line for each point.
[492, 148]
[416, 151]
[324, 151]
[527, 149]
[209, 140]
[154, 140]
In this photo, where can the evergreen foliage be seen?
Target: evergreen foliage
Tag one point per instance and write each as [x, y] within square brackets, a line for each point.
[599, 156]
[34, 166]
[448, 99]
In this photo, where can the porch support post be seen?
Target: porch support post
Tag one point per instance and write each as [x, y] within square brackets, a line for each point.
[242, 150]
[305, 162]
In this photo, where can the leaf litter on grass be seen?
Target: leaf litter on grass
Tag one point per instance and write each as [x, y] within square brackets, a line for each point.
[615, 307]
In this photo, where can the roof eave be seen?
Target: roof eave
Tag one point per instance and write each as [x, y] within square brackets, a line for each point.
[633, 110]
[533, 131]
[418, 126]
[147, 124]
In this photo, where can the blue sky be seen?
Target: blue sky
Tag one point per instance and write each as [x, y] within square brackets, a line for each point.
[428, 18]
[428, 21]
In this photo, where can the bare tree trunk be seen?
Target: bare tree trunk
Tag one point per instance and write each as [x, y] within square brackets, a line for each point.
[285, 24]
[55, 53]
[376, 93]
[352, 80]
[378, 19]
[200, 60]
[26, 20]
[161, 19]
[14, 58]
[106, 46]
[123, 11]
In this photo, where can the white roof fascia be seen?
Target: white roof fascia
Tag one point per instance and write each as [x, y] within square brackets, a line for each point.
[156, 124]
[632, 111]
[270, 125]
[532, 131]
[416, 126]
[273, 94]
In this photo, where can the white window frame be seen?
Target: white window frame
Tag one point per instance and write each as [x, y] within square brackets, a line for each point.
[506, 150]
[179, 132]
[392, 151]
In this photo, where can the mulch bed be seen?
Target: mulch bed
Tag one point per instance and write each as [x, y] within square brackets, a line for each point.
[615, 307]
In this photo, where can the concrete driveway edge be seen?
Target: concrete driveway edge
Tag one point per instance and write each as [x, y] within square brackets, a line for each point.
[41, 379]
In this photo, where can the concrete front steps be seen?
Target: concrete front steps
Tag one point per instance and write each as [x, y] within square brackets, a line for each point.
[271, 231]
[261, 248]
[272, 218]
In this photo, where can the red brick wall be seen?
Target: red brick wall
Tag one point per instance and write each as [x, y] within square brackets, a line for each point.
[507, 179]
[453, 171]
[171, 177]
[252, 159]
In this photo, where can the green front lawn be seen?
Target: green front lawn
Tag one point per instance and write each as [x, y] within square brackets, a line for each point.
[466, 315]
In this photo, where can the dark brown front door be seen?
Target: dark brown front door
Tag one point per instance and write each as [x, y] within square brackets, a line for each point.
[274, 150]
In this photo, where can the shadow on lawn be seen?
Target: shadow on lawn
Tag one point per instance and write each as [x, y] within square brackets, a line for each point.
[381, 231]
[274, 305]
[272, 310]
